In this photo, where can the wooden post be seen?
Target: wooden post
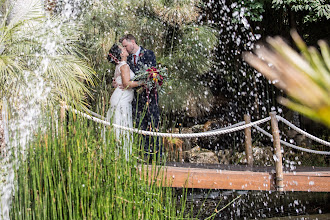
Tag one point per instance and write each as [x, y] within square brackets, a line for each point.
[277, 152]
[248, 141]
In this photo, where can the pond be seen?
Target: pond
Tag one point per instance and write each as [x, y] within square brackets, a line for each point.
[258, 204]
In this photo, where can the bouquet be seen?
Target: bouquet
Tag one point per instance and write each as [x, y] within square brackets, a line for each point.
[152, 79]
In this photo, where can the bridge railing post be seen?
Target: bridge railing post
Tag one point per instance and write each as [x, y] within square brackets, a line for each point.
[248, 141]
[277, 152]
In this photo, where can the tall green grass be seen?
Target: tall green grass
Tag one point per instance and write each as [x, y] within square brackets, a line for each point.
[72, 172]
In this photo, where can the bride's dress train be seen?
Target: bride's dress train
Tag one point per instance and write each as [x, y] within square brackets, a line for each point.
[120, 111]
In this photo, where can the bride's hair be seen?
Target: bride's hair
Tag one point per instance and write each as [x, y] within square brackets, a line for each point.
[114, 54]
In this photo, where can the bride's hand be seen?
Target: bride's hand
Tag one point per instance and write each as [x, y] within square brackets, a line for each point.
[141, 83]
[116, 85]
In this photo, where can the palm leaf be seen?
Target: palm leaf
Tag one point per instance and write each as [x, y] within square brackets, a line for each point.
[177, 12]
[46, 49]
[305, 78]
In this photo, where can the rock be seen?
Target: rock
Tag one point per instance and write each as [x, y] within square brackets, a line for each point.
[187, 142]
[213, 142]
[303, 141]
[290, 133]
[299, 139]
[197, 128]
[199, 155]
[263, 156]
[224, 156]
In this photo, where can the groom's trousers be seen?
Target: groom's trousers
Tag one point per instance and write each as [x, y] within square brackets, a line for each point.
[146, 117]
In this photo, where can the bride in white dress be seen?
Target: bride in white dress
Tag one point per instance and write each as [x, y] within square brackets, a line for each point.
[120, 111]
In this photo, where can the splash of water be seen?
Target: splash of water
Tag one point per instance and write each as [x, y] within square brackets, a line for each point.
[25, 113]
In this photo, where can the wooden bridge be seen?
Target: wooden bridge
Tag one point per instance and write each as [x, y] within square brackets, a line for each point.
[237, 177]
[230, 177]
[247, 177]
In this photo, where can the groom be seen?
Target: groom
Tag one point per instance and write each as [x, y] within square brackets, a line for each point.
[145, 109]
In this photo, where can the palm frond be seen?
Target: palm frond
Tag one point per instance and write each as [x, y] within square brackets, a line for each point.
[35, 47]
[195, 51]
[31, 11]
[178, 12]
[305, 78]
[184, 96]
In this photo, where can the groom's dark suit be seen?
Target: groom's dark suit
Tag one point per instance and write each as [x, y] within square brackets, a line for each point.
[145, 116]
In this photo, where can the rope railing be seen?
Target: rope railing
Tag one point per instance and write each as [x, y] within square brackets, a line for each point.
[232, 128]
[193, 135]
[160, 134]
[95, 114]
[279, 118]
[247, 124]
[291, 145]
[106, 123]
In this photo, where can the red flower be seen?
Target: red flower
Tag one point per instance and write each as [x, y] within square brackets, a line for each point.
[160, 82]
[152, 72]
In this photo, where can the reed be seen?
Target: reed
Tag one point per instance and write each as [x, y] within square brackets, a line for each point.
[72, 171]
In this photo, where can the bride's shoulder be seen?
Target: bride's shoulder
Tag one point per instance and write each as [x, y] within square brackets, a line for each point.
[121, 63]
[124, 66]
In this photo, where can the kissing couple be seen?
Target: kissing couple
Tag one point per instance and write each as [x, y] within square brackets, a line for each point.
[128, 103]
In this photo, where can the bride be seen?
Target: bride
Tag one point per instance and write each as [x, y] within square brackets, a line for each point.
[120, 111]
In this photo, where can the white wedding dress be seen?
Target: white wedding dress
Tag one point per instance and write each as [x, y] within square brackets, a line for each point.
[120, 111]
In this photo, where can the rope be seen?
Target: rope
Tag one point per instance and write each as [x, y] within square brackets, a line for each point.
[192, 135]
[264, 132]
[302, 132]
[232, 128]
[152, 133]
[95, 114]
[89, 117]
[291, 145]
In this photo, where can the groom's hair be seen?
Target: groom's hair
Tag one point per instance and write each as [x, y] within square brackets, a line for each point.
[127, 37]
[115, 51]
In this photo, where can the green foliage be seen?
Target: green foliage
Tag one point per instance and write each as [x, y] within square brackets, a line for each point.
[34, 48]
[196, 98]
[315, 9]
[195, 50]
[167, 27]
[186, 91]
[73, 172]
[252, 9]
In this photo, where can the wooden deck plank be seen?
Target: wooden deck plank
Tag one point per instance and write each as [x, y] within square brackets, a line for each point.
[214, 179]
[307, 181]
[241, 180]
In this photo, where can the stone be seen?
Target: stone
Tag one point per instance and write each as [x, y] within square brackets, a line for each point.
[199, 155]
[224, 156]
[197, 128]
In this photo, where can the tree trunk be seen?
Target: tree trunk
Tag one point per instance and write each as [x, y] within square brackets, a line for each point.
[292, 18]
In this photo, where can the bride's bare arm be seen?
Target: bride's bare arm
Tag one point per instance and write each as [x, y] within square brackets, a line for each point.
[125, 76]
